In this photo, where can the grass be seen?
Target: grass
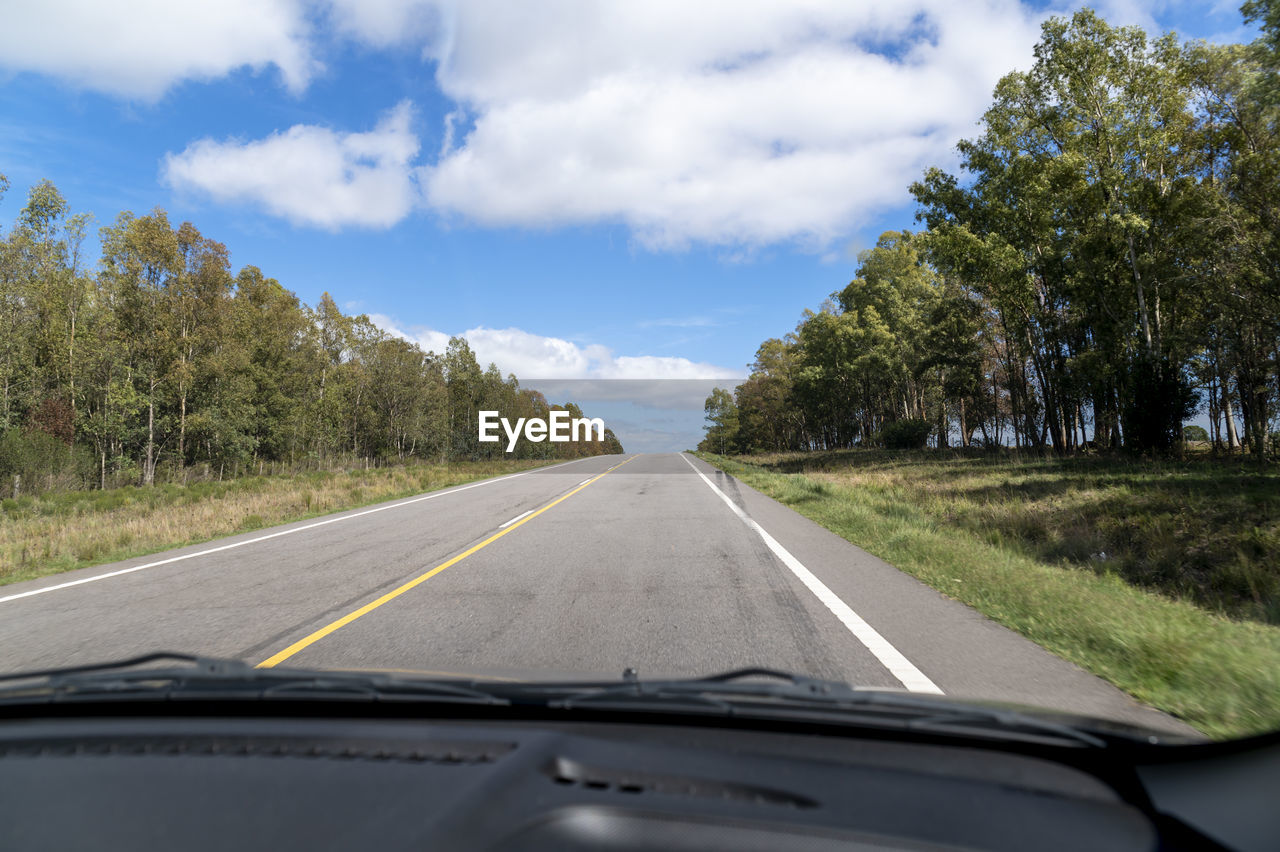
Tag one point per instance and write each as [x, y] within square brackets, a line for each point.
[1180, 613]
[46, 534]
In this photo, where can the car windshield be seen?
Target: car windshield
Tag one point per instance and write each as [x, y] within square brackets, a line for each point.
[926, 349]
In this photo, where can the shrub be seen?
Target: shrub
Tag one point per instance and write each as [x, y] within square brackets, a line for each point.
[905, 434]
[1161, 397]
[41, 460]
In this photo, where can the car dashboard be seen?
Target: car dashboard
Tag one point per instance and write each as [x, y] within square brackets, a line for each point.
[270, 782]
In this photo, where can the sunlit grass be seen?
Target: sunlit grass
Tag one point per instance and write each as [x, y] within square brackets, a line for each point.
[60, 531]
[1015, 540]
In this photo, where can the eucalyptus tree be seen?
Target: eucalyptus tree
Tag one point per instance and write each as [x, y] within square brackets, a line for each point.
[464, 382]
[141, 262]
[10, 324]
[1073, 226]
[1239, 126]
[399, 392]
[330, 407]
[770, 417]
[198, 296]
[887, 303]
[1114, 235]
[952, 353]
[48, 242]
[260, 383]
[722, 422]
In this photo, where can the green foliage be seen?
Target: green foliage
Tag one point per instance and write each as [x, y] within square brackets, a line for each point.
[166, 365]
[1159, 401]
[38, 460]
[905, 435]
[1107, 264]
[722, 417]
[1194, 433]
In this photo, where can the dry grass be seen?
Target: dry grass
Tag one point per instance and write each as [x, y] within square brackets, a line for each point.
[57, 532]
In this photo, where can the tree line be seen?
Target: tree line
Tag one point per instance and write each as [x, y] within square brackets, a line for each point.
[161, 363]
[1107, 266]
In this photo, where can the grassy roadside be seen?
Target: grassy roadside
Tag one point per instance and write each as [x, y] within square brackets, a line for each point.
[61, 531]
[1218, 674]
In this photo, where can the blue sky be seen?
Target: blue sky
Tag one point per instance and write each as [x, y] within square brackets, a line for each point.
[588, 191]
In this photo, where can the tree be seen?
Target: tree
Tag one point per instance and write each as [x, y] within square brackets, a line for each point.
[464, 381]
[1109, 255]
[1075, 228]
[722, 415]
[141, 264]
[952, 355]
[163, 360]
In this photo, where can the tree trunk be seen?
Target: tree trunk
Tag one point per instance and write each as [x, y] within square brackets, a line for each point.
[1246, 420]
[71, 366]
[1142, 301]
[1233, 438]
[149, 463]
[1215, 434]
[1258, 424]
[182, 429]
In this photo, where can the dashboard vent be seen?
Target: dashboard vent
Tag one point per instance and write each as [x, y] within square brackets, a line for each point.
[408, 751]
[569, 773]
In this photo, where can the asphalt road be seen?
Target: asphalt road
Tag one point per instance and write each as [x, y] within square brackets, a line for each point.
[655, 562]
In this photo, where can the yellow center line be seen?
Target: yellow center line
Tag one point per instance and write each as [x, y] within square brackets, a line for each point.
[307, 641]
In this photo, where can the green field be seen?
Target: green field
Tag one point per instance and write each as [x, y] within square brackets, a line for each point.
[55, 532]
[1159, 576]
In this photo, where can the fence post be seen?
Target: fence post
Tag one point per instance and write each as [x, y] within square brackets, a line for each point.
[17, 485]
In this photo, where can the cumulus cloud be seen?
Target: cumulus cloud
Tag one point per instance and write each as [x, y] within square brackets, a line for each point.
[308, 174]
[537, 357]
[139, 48]
[735, 123]
[714, 122]
[383, 23]
[720, 122]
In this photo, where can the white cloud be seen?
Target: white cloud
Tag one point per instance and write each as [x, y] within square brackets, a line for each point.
[717, 122]
[738, 123]
[383, 23]
[536, 357]
[647, 367]
[310, 175]
[140, 48]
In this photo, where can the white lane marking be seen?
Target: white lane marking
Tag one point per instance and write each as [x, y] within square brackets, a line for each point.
[588, 479]
[310, 526]
[890, 657]
[513, 520]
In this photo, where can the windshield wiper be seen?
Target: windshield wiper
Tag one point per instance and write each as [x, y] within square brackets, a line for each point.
[748, 693]
[742, 692]
[217, 678]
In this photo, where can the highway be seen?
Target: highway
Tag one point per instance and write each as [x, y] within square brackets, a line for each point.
[655, 562]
